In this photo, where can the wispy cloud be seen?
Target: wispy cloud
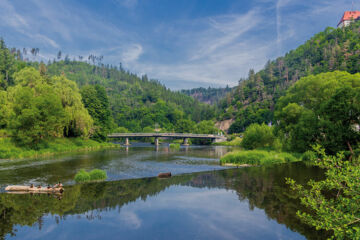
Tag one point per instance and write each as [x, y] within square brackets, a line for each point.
[212, 49]
[132, 53]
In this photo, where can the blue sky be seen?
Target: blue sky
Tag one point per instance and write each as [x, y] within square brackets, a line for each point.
[182, 43]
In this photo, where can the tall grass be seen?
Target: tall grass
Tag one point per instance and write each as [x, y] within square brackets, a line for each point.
[258, 157]
[8, 150]
[94, 175]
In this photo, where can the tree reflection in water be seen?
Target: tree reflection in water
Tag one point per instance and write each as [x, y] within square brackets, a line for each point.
[261, 187]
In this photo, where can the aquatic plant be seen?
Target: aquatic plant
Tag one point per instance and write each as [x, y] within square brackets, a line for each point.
[82, 176]
[97, 174]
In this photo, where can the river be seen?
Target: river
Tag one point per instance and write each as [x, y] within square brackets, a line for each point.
[202, 201]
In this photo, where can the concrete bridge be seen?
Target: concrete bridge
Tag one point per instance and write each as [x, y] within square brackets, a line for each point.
[185, 136]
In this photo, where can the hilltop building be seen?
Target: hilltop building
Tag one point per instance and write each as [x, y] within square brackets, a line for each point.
[349, 17]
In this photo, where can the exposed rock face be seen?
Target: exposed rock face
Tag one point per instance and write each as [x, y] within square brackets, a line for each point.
[225, 124]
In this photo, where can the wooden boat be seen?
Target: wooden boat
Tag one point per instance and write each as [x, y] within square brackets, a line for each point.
[164, 175]
[32, 189]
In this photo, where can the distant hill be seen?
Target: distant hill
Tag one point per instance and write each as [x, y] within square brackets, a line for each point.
[253, 100]
[136, 102]
[207, 95]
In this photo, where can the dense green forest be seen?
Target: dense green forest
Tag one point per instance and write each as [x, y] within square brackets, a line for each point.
[136, 103]
[208, 95]
[66, 98]
[254, 99]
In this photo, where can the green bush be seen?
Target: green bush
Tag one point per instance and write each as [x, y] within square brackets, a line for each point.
[258, 136]
[93, 175]
[82, 176]
[97, 174]
[308, 156]
[258, 157]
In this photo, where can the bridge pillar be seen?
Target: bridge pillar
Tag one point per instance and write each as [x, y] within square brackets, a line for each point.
[156, 141]
[186, 142]
[127, 143]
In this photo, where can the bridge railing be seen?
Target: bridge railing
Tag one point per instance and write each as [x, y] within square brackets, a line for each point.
[174, 135]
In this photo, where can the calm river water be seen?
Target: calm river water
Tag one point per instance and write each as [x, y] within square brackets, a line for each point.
[202, 201]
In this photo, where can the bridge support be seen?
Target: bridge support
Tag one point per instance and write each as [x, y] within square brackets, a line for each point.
[186, 142]
[156, 141]
[127, 143]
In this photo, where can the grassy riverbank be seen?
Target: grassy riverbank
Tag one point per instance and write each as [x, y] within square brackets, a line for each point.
[258, 157]
[234, 142]
[8, 150]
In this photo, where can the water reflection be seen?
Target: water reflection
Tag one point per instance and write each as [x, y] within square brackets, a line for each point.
[247, 203]
[137, 161]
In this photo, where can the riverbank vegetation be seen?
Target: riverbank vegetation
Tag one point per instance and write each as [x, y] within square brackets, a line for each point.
[258, 157]
[9, 150]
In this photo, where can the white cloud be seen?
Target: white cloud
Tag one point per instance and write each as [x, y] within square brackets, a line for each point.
[130, 219]
[132, 53]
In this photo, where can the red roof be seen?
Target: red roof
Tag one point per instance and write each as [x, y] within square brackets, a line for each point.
[350, 15]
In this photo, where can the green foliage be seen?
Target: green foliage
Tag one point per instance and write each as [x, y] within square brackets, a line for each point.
[175, 146]
[39, 108]
[36, 115]
[324, 108]
[334, 202]
[234, 142]
[7, 66]
[330, 50]
[121, 130]
[96, 102]
[258, 136]
[93, 175]
[308, 156]
[97, 174]
[185, 126]
[135, 102]
[9, 150]
[257, 157]
[204, 127]
[82, 176]
[148, 130]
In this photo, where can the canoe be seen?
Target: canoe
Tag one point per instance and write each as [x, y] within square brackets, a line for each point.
[164, 175]
[34, 189]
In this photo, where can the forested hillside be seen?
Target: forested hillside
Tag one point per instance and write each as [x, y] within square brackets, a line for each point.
[62, 99]
[136, 103]
[253, 100]
[207, 95]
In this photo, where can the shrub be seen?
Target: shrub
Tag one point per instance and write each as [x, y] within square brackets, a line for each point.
[258, 136]
[97, 174]
[308, 156]
[93, 175]
[82, 176]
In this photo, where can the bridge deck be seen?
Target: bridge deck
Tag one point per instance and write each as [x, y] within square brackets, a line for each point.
[172, 135]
